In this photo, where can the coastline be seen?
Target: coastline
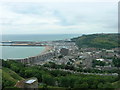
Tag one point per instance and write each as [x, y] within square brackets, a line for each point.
[47, 48]
[44, 51]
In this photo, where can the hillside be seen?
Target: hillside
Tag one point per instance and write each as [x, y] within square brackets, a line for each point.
[48, 78]
[116, 84]
[98, 41]
[9, 77]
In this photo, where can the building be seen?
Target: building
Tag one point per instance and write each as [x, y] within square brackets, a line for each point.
[100, 59]
[28, 83]
[64, 51]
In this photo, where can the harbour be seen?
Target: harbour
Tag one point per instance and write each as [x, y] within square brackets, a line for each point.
[20, 52]
[25, 46]
[51, 49]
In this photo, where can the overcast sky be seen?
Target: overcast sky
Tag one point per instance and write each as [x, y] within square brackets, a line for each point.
[58, 17]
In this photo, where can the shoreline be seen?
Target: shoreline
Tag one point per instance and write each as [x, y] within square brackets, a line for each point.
[44, 51]
[47, 48]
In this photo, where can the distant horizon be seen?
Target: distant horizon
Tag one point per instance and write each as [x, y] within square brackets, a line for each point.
[64, 33]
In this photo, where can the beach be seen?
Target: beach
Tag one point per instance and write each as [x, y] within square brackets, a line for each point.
[47, 48]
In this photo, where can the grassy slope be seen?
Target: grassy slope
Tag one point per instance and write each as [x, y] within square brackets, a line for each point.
[10, 76]
[97, 40]
[116, 84]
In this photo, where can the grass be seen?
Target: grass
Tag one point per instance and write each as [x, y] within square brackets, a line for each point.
[116, 84]
[9, 77]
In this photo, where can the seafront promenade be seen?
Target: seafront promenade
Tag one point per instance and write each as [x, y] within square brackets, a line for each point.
[44, 55]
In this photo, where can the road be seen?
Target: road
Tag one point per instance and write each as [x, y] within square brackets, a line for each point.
[75, 72]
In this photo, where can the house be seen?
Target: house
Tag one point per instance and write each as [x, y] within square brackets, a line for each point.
[64, 51]
[100, 59]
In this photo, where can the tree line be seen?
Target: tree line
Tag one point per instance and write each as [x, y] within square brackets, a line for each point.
[59, 78]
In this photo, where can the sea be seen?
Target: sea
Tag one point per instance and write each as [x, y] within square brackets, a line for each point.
[20, 52]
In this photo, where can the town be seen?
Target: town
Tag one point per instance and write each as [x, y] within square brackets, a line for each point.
[66, 52]
[66, 63]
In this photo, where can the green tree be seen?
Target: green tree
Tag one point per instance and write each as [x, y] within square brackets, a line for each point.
[107, 85]
[116, 62]
[84, 85]
[64, 82]
[7, 83]
[100, 63]
[78, 83]
[49, 80]
[100, 85]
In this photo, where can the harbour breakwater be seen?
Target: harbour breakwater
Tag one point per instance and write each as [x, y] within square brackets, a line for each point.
[23, 43]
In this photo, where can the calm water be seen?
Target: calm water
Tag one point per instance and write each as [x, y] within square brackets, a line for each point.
[23, 52]
[9, 52]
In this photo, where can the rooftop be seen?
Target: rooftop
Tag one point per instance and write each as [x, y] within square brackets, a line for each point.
[30, 81]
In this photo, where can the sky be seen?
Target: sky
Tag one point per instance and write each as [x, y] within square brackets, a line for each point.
[62, 17]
